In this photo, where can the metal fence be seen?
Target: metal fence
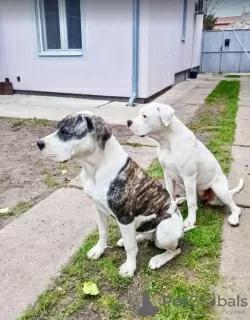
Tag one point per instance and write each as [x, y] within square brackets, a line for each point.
[225, 51]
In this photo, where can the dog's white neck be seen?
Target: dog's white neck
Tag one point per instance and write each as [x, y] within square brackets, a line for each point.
[103, 162]
[168, 133]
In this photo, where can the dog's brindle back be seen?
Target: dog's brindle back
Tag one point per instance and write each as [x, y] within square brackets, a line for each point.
[133, 193]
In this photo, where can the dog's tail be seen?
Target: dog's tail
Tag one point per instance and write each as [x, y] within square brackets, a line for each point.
[186, 229]
[238, 188]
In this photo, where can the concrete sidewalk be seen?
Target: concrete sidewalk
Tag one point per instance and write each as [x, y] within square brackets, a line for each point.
[35, 246]
[55, 108]
[235, 258]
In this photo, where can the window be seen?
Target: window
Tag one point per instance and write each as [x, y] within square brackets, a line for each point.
[59, 25]
[184, 20]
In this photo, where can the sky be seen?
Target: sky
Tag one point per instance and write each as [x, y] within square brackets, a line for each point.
[226, 8]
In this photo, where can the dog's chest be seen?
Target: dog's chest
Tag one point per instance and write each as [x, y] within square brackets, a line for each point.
[98, 193]
[168, 163]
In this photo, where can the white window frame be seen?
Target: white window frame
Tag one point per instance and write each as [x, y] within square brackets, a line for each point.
[64, 51]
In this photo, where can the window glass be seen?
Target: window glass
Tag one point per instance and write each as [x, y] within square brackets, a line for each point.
[73, 15]
[52, 26]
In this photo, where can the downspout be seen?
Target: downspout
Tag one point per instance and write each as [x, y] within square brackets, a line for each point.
[135, 53]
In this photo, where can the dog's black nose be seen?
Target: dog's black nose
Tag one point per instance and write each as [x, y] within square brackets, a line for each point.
[40, 144]
[129, 122]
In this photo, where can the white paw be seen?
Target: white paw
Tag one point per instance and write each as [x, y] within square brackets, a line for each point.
[95, 252]
[156, 262]
[120, 243]
[189, 222]
[127, 270]
[233, 220]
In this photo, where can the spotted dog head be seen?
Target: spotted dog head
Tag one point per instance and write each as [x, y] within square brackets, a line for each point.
[77, 135]
[151, 119]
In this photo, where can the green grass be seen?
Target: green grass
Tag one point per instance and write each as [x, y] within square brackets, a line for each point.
[155, 170]
[19, 208]
[54, 178]
[50, 179]
[193, 273]
[225, 98]
[232, 76]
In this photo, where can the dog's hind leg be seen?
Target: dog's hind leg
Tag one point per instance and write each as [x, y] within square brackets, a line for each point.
[221, 189]
[168, 234]
[159, 260]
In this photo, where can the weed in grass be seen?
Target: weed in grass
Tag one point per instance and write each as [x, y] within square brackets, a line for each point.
[192, 273]
[112, 305]
[50, 180]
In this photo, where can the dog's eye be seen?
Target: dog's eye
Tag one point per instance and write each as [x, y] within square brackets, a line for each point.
[63, 131]
[144, 116]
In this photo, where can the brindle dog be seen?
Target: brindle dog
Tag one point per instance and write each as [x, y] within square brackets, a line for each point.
[118, 188]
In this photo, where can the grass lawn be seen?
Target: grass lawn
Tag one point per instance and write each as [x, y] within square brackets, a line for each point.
[193, 273]
[232, 76]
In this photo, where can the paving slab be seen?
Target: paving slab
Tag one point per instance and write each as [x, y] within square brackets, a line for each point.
[240, 168]
[244, 112]
[117, 112]
[184, 111]
[244, 103]
[235, 269]
[43, 107]
[242, 136]
[141, 155]
[35, 246]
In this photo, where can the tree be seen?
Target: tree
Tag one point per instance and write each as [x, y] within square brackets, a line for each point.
[209, 15]
[209, 21]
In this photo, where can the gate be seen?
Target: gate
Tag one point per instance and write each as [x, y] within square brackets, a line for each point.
[225, 51]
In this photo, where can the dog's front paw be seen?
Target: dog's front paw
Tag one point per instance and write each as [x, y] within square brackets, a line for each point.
[233, 220]
[95, 252]
[127, 270]
[189, 222]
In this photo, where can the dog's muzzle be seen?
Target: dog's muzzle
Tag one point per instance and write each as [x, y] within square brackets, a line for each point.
[41, 144]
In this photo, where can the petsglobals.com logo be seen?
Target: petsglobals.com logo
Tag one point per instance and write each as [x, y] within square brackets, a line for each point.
[148, 309]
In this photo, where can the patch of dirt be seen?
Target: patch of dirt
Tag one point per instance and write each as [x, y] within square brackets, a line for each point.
[89, 313]
[25, 174]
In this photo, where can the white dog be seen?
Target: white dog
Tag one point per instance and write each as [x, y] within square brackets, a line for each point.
[185, 160]
[118, 188]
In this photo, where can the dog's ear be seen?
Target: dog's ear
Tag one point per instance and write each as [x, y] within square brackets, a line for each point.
[166, 113]
[102, 131]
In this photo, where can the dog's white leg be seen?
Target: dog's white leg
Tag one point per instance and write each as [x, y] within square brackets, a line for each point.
[139, 238]
[129, 237]
[170, 185]
[167, 235]
[190, 186]
[221, 189]
[103, 226]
